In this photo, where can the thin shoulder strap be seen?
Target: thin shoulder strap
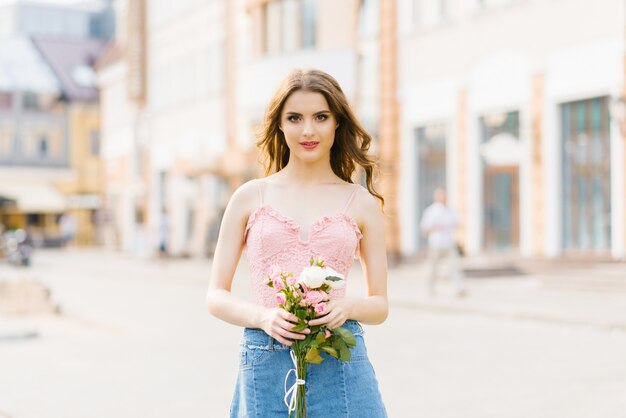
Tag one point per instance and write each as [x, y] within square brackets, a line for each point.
[260, 187]
[351, 198]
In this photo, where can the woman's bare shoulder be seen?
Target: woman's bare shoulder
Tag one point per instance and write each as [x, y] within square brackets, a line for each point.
[366, 207]
[246, 197]
[365, 200]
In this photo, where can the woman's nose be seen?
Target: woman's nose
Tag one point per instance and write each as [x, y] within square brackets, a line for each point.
[308, 128]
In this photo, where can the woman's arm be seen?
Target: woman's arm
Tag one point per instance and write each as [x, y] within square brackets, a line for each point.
[221, 303]
[372, 309]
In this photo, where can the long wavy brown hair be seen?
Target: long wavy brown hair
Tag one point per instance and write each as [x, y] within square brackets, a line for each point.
[351, 144]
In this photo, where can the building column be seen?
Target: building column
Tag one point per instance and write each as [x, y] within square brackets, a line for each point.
[621, 252]
[537, 185]
[389, 133]
[461, 159]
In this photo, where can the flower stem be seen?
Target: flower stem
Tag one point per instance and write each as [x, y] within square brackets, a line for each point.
[300, 411]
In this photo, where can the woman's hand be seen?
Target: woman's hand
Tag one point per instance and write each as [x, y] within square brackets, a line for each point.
[337, 312]
[278, 323]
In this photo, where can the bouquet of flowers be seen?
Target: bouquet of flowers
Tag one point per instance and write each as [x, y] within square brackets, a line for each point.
[306, 298]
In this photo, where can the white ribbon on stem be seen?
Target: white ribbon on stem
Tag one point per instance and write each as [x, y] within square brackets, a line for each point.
[292, 392]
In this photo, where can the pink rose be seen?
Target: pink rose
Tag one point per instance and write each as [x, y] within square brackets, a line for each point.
[291, 281]
[281, 298]
[324, 295]
[320, 309]
[303, 303]
[314, 297]
[278, 283]
[327, 333]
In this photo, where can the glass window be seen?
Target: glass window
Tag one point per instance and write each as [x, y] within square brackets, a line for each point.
[96, 26]
[288, 25]
[308, 23]
[34, 219]
[43, 146]
[586, 175]
[431, 168]
[94, 142]
[6, 100]
[500, 123]
[30, 101]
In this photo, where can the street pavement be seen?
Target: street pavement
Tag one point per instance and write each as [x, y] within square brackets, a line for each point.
[134, 340]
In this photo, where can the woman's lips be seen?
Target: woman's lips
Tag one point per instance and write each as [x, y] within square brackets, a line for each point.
[309, 144]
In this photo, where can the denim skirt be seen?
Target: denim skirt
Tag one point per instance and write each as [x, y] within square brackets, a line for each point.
[334, 389]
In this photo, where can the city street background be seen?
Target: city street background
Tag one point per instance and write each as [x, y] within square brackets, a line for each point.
[126, 125]
[134, 340]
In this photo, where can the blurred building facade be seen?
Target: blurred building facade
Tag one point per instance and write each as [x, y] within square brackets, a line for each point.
[189, 114]
[121, 75]
[33, 138]
[164, 125]
[72, 62]
[509, 105]
[49, 117]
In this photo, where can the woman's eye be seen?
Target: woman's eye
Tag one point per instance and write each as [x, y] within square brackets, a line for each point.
[322, 117]
[293, 118]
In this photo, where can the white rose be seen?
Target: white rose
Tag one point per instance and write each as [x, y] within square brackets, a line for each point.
[312, 277]
[335, 284]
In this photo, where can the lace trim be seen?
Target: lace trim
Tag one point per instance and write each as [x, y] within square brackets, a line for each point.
[316, 226]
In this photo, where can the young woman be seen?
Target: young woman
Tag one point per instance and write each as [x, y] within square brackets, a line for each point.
[309, 207]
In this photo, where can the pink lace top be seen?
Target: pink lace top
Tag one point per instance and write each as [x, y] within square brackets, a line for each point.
[273, 238]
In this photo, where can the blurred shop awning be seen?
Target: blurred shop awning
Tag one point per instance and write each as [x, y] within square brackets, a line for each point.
[33, 197]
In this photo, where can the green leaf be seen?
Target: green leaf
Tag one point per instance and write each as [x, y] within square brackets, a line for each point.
[330, 350]
[311, 261]
[301, 326]
[346, 336]
[320, 337]
[338, 343]
[313, 356]
[344, 354]
[334, 278]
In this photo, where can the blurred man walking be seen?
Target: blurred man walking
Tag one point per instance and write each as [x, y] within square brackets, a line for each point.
[440, 222]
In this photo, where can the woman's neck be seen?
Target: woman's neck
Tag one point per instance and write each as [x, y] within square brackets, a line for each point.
[301, 173]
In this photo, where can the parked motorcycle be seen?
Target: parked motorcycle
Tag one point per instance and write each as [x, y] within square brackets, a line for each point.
[17, 247]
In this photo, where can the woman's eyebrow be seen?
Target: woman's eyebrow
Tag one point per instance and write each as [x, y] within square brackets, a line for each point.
[289, 112]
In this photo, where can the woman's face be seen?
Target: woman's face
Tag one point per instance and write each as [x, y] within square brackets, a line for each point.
[308, 126]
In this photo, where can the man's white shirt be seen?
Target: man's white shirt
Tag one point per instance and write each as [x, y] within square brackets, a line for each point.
[445, 220]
